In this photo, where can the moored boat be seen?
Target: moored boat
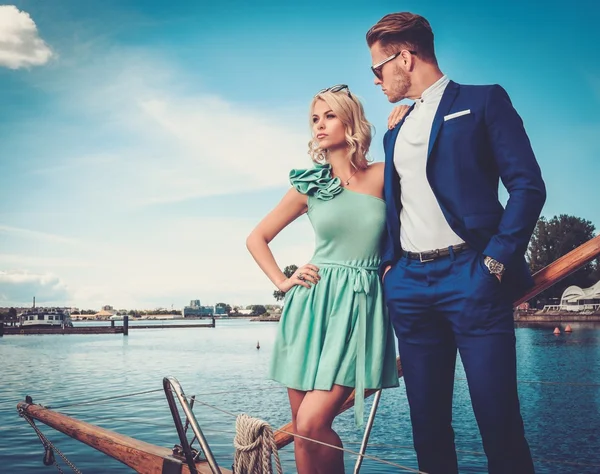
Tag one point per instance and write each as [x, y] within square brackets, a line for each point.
[45, 318]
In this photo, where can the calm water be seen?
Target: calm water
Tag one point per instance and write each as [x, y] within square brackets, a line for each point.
[223, 367]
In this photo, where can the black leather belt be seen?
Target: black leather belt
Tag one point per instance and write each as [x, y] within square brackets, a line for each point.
[430, 255]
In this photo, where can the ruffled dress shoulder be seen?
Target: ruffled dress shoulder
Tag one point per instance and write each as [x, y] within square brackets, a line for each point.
[316, 182]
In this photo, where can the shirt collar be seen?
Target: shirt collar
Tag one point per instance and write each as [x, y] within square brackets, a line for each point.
[435, 91]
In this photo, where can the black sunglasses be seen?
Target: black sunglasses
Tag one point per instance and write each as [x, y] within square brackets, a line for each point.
[336, 88]
[377, 67]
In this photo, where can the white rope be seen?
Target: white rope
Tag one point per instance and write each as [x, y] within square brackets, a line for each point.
[254, 445]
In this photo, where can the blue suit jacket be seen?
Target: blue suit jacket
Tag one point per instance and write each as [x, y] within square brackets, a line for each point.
[467, 157]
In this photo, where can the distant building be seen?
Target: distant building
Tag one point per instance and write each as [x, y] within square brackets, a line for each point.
[196, 309]
[575, 298]
[106, 312]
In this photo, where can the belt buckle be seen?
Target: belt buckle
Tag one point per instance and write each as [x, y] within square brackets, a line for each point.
[426, 260]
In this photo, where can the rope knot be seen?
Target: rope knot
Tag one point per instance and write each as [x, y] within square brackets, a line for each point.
[254, 445]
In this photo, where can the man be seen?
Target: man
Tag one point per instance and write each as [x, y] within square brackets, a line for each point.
[453, 260]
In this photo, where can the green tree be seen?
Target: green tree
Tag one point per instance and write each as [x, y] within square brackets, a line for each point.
[554, 238]
[288, 272]
[225, 306]
[258, 309]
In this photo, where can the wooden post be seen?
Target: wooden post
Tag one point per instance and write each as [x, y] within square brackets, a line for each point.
[112, 323]
[125, 325]
[1, 325]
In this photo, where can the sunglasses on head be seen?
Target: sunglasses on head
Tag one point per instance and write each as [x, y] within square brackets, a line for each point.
[336, 88]
[379, 66]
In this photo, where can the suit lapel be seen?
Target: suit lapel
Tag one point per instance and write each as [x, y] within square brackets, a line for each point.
[391, 143]
[392, 184]
[389, 150]
[447, 100]
[391, 177]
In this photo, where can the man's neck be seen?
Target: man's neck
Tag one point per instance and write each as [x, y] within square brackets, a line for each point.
[424, 81]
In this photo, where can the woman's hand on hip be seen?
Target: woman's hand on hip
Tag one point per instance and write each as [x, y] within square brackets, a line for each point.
[305, 275]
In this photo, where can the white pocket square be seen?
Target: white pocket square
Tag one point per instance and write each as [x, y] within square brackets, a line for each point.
[456, 114]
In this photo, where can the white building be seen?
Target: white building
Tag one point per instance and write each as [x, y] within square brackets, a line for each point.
[575, 298]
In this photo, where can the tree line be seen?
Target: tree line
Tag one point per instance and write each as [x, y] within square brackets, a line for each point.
[553, 238]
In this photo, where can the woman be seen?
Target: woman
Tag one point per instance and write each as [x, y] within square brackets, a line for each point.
[334, 334]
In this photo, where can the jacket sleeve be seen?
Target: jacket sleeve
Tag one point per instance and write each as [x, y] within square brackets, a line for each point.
[520, 174]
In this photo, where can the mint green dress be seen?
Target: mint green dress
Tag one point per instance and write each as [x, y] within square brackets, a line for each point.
[338, 331]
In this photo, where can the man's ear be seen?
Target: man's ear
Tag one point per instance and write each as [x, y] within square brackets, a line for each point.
[408, 61]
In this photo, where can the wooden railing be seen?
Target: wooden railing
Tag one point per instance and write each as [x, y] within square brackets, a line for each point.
[142, 457]
[562, 268]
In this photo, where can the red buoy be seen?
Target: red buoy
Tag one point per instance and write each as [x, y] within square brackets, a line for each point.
[556, 331]
[568, 329]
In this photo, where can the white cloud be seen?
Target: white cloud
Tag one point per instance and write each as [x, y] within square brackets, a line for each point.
[142, 137]
[18, 288]
[20, 43]
[36, 235]
[28, 261]
[165, 140]
[180, 260]
[222, 148]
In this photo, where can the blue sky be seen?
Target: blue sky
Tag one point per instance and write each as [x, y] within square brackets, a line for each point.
[142, 140]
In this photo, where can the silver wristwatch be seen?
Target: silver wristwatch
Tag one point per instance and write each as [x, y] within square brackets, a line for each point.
[494, 266]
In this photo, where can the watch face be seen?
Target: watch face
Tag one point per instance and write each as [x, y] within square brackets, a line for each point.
[495, 266]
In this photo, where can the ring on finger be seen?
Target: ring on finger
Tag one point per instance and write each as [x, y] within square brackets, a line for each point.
[301, 276]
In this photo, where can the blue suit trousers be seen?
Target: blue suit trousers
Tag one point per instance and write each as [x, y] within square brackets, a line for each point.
[441, 306]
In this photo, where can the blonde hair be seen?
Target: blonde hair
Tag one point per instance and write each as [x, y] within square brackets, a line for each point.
[358, 130]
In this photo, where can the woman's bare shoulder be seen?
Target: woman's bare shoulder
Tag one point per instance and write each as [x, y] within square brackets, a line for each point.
[376, 170]
[374, 178]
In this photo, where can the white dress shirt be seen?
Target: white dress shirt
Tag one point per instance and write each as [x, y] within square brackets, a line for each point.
[422, 225]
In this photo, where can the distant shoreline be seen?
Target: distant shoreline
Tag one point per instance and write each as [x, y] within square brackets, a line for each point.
[273, 318]
[556, 317]
[161, 317]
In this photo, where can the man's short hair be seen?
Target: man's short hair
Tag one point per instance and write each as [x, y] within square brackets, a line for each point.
[404, 30]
